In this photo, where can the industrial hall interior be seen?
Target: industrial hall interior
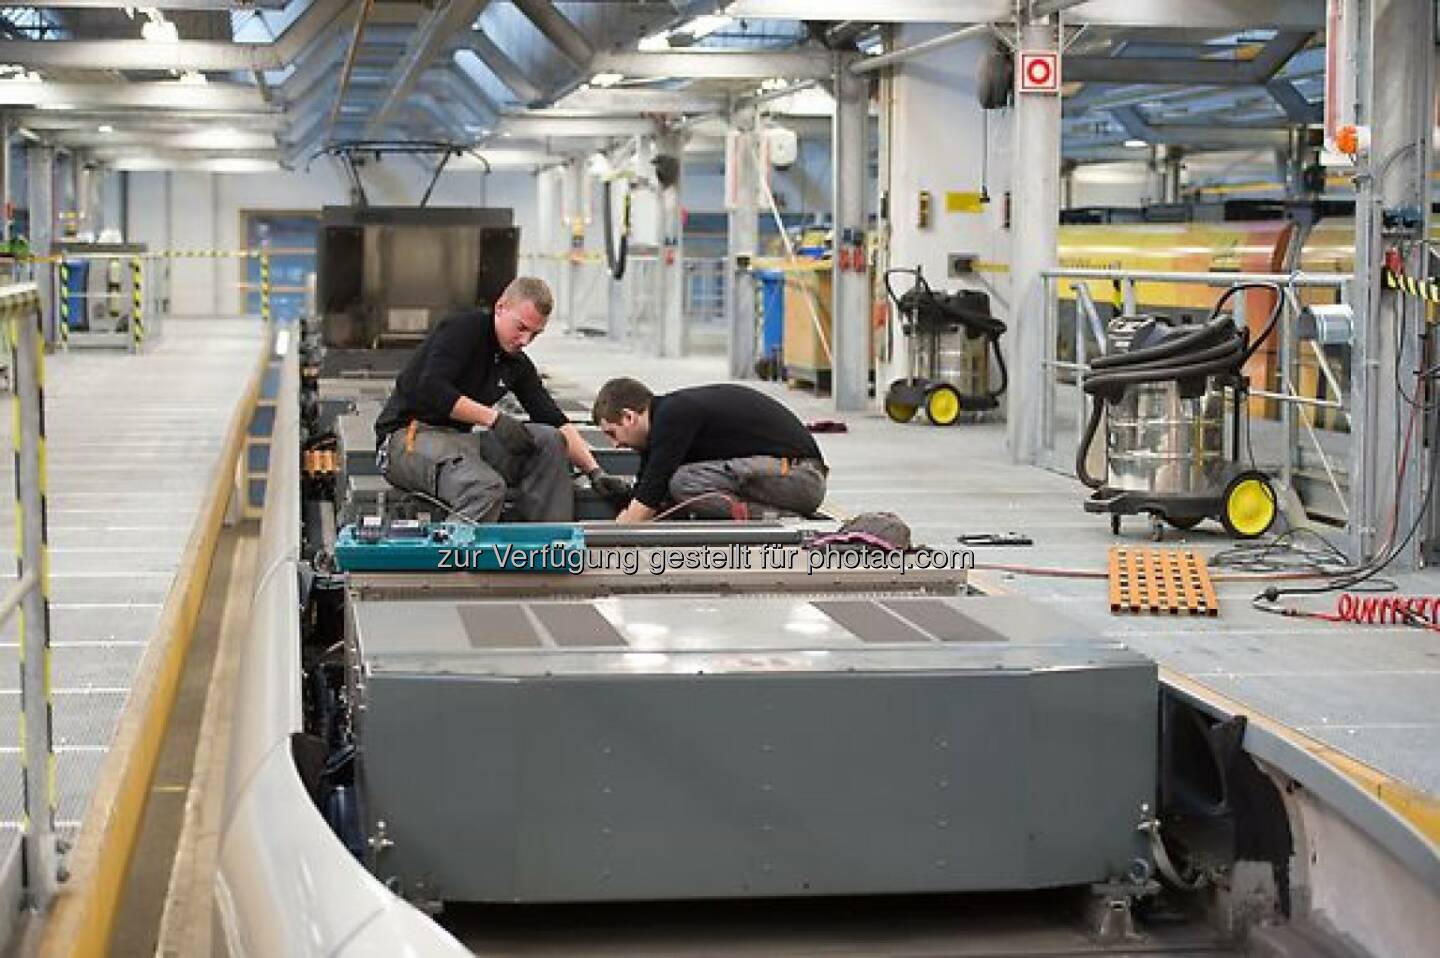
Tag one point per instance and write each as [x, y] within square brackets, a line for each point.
[725, 478]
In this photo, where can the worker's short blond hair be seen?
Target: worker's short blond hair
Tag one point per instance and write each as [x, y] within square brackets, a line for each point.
[529, 289]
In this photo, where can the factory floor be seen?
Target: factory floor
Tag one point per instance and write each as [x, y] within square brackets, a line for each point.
[1370, 693]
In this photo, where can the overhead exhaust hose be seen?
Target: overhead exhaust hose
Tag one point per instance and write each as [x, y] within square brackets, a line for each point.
[616, 258]
[1219, 347]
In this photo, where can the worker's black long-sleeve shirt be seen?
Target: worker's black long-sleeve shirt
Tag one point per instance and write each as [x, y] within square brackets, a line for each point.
[461, 357]
[707, 423]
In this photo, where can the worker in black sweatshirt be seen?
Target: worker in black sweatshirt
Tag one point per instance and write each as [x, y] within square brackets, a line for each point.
[450, 385]
[721, 451]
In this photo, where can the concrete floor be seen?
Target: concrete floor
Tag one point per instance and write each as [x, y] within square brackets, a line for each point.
[1372, 693]
[132, 442]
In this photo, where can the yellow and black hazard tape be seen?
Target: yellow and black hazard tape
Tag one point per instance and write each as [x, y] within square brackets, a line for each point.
[64, 304]
[21, 304]
[63, 258]
[137, 291]
[1425, 289]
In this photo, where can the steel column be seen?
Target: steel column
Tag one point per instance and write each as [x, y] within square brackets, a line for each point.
[40, 170]
[1397, 103]
[670, 268]
[742, 184]
[849, 311]
[574, 240]
[1034, 236]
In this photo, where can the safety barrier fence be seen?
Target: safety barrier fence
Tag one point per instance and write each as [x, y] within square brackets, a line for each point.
[119, 300]
[1303, 389]
[29, 868]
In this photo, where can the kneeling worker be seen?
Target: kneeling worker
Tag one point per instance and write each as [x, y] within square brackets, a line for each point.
[450, 384]
[723, 451]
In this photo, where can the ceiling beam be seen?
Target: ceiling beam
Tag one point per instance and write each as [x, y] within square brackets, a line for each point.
[183, 55]
[558, 30]
[165, 4]
[1197, 14]
[200, 139]
[542, 127]
[1293, 102]
[431, 38]
[154, 122]
[1174, 71]
[631, 100]
[149, 95]
[504, 68]
[716, 65]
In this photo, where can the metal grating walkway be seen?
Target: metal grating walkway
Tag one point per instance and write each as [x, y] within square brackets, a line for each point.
[132, 441]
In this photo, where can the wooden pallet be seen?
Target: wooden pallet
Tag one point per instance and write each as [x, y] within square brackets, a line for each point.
[1161, 580]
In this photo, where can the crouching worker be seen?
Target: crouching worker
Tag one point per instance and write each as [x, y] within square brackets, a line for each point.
[450, 385]
[721, 451]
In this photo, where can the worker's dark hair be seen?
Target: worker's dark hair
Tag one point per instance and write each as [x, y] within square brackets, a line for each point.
[618, 395]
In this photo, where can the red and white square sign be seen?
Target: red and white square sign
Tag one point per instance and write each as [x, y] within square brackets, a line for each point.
[1039, 71]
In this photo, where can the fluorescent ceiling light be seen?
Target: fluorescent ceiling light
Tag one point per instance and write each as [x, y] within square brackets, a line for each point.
[159, 30]
[105, 128]
[1135, 144]
[192, 78]
[606, 79]
[706, 25]
[696, 29]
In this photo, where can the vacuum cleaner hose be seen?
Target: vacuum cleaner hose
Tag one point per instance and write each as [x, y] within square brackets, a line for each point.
[1218, 347]
[614, 258]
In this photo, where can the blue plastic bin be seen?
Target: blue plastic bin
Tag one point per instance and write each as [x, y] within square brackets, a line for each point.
[772, 301]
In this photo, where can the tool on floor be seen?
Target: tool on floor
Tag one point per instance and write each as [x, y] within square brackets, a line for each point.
[944, 376]
[1161, 580]
[995, 539]
[1162, 389]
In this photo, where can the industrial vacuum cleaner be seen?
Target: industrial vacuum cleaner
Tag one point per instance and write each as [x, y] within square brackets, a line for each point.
[1162, 387]
[945, 379]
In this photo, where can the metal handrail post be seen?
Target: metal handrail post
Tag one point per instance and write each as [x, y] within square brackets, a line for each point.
[23, 316]
[1082, 359]
[1287, 386]
[1051, 380]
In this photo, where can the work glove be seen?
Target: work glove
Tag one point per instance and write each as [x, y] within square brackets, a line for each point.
[513, 435]
[612, 489]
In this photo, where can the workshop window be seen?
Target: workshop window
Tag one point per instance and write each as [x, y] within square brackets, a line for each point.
[291, 238]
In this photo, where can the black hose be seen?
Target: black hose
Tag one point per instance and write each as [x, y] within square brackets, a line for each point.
[616, 259]
[1219, 347]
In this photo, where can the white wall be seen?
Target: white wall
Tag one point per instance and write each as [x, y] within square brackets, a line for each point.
[188, 210]
[938, 132]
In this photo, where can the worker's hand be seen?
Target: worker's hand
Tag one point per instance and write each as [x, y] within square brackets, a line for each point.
[512, 435]
[613, 489]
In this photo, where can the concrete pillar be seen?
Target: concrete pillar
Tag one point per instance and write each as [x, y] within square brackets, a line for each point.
[40, 169]
[670, 269]
[1397, 104]
[1033, 239]
[741, 184]
[850, 284]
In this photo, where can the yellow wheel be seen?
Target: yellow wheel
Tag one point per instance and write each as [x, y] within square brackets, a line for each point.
[943, 405]
[1249, 506]
[900, 411]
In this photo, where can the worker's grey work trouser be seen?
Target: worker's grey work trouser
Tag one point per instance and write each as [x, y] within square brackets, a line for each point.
[781, 485]
[470, 472]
